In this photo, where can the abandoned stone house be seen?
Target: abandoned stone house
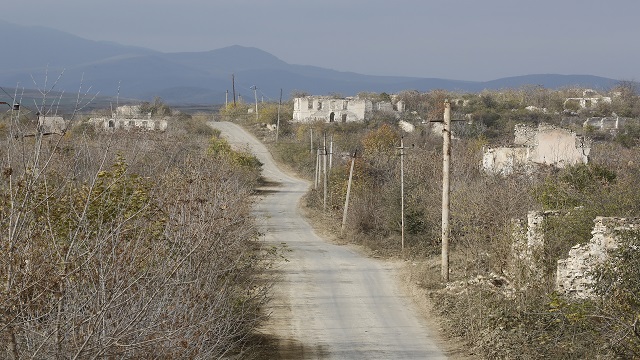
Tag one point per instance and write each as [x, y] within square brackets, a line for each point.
[573, 273]
[611, 124]
[128, 117]
[105, 123]
[329, 109]
[590, 98]
[544, 145]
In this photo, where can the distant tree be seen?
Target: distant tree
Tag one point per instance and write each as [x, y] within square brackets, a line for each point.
[156, 108]
[381, 141]
[626, 101]
[413, 100]
[234, 111]
[299, 94]
[385, 97]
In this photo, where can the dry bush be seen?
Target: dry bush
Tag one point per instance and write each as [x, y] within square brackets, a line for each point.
[527, 322]
[126, 245]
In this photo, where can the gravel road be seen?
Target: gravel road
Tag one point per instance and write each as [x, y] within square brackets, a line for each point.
[331, 302]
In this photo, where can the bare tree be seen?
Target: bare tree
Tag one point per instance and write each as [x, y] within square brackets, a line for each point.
[125, 245]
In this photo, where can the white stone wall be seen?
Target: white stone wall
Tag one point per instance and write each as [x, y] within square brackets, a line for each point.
[559, 147]
[611, 124]
[327, 109]
[528, 246]
[545, 144]
[105, 123]
[588, 102]
[128, 110]
[504, 161]
[572, 276]
[52, 124]
[573, 273]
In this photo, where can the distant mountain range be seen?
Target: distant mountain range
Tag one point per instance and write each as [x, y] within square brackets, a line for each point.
[39, 54]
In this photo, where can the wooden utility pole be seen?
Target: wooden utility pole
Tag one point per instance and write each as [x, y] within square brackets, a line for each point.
[402, 192]
[346, 201]
[317, 168]
[446, 165]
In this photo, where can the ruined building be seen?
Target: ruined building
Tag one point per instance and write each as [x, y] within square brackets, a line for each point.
[573, 273]
[129, 117]
[544, 145]
[589, 100]
[573, 276]
[330, 109]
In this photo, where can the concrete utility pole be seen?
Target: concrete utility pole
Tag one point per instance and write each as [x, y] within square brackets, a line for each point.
[233, 88]
[446, 165]
[278, 122]
[324, 170]
[317, 168]
[330, 153]
[255, 96]
[346, 201]
[402, 192]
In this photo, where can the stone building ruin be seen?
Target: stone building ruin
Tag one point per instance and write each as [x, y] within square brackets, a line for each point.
[129, 117]
[572, 277]
[527, 247]
[573, 273]
[611, 124]
[52, 124]
[590, 99]
[542, 145]
[342, 110]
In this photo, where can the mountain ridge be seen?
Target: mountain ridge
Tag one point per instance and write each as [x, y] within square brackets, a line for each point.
[109, 68]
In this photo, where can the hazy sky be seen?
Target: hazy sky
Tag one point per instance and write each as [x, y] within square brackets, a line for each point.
[455, 39]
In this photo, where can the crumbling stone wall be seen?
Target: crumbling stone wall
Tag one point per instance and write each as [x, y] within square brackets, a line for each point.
[611, 124]
[559, 147]
[544, 144]
[573, 273]
[329, 109]
[105, 123]
[527, 248]
[52, 124]
[129, 110]
[525, 135]
[506, 161]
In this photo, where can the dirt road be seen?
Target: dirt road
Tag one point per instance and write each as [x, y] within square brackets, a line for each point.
[332, 302]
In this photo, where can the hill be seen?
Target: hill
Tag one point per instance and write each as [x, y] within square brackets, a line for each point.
[39, 55]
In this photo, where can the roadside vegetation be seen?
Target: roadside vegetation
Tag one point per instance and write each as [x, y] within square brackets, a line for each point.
[497, 314]
[127, 243]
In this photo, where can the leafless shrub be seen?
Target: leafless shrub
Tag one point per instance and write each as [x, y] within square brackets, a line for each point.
[125, 245]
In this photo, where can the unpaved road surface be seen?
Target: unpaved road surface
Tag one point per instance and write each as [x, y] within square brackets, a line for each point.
[330, 302]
